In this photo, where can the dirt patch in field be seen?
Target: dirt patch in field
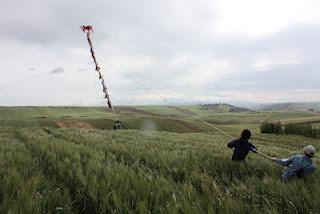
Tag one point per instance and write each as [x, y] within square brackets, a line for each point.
[73, 124]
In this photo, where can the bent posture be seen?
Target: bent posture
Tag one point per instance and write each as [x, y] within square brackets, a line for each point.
[242, 146]
[117, 125]
[298, 165]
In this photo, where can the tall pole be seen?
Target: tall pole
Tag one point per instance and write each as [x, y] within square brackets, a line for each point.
[88, 30]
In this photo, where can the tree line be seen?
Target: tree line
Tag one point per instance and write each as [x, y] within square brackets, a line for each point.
[306, 130]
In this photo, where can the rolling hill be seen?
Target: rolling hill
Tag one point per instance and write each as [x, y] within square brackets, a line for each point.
[311, 107]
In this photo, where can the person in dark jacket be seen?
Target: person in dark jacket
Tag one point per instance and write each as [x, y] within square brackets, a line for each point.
[242, 146]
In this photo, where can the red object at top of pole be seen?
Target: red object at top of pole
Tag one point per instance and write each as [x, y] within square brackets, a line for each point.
[87, 28]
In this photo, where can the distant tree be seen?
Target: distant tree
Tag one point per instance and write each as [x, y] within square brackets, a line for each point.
[271, 128]
[302, 129]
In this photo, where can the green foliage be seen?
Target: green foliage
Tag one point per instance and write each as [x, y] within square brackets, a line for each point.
[271, 128]
[50, 170]
[302, 129]
[164, 118]
[24, 187]
[90, 171]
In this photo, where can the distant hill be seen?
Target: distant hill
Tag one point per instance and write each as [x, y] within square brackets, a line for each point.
[224, 107]
[310, 107]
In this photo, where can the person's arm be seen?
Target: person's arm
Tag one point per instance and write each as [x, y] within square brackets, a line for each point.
[253, 148]
[283, 162]
[309, 169]
[232, 144]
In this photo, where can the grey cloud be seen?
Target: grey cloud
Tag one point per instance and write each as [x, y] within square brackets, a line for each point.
[53, 21]
[305, 74]
[57, 70]
[176, 37]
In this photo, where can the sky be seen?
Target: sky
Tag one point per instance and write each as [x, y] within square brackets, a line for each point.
[160, 52]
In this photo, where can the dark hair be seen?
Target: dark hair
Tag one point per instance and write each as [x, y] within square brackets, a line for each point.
[245, 135]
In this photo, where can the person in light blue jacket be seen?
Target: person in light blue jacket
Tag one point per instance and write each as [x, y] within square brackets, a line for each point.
[298, 165]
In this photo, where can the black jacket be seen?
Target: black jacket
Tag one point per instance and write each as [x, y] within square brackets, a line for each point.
[241, 149]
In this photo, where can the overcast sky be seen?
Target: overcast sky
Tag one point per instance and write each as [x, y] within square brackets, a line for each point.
[190, 50]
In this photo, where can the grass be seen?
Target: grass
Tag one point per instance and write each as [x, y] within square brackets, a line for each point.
[45, 169]
[162, 118]
[92, 171]
[316, 125]
[24, 187]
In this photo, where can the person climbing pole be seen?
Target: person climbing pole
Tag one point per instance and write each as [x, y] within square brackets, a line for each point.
[298, 165]
[242, 146]
[117, 125]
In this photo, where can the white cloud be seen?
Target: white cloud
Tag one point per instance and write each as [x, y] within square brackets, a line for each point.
[209, 73]
[267, 96]
[259, 18]
[270, 61]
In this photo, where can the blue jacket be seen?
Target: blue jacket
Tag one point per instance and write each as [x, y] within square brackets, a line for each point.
[241, 149]
[297, 165]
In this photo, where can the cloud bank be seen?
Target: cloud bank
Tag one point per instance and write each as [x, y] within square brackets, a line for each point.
[207, 51]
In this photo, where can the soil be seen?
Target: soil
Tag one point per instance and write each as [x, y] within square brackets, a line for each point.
[73, 124]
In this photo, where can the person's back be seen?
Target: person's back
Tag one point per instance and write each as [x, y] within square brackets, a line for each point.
[242, 146]
[241, 149]
[298, 165]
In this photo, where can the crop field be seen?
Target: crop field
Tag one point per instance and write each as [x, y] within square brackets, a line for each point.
[172, 164]
[161, 118]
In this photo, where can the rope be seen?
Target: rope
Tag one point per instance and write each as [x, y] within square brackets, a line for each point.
[166, 100]
[263, 154]
[113, 61]
[213, 126]
[268, 114]
[142, 85]
[23, 80]
[12, 84]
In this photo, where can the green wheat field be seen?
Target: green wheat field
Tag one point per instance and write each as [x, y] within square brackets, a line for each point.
[69, 160]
